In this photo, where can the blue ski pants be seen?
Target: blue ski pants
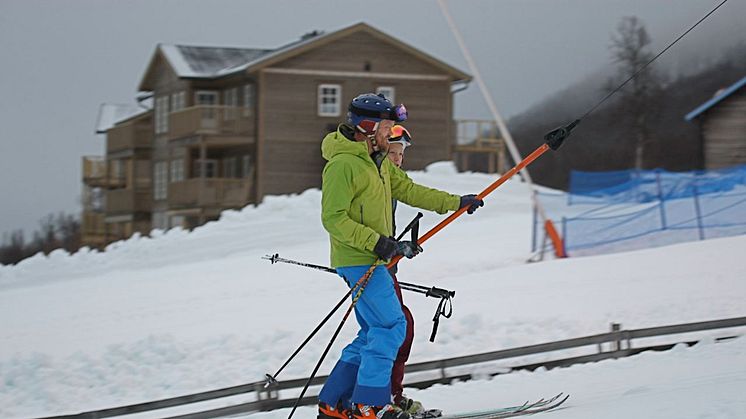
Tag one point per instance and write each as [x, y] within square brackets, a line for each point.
[363, 372]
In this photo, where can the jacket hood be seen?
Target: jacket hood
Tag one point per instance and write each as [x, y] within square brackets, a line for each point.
[337, 143]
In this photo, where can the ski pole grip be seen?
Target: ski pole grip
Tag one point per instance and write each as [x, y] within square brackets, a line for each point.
[415, 222]
[440, 293]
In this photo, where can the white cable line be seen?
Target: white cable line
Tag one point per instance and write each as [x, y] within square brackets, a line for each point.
[514, 153]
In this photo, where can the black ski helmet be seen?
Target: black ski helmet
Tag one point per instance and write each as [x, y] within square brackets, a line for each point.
[374, 107]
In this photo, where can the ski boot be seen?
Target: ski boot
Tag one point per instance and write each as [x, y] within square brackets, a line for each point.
[378, 412]
[329, 412]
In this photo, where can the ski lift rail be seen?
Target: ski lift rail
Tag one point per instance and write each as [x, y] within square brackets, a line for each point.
[618, 344]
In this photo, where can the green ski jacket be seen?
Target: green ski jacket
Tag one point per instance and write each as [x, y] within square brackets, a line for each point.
[356, 198]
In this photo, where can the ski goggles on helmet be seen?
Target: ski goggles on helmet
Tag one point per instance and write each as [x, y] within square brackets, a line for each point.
[397, 114]
[400, 135]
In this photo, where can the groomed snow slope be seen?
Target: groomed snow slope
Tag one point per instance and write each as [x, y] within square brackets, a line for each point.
[185, 312]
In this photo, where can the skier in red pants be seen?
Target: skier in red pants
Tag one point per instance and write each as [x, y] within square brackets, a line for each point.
[398, 142]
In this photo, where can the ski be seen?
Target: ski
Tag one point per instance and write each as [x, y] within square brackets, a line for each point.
[528, 411]
[527, 408]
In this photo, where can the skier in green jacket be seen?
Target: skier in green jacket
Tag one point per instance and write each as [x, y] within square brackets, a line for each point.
[358, 185]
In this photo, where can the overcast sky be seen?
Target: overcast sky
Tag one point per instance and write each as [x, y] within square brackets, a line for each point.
[59, 60]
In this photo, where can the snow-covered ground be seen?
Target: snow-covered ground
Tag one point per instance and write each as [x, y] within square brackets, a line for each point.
[186, 312]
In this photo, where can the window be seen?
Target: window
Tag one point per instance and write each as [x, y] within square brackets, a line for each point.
[230, 168]
[230, 100]
[161, 114]
[230, 97]
[177, 170]
[248, 99]
[389, 92]
[160, 179]
[330, 96]
[208, 99]
[178, 101]
[117, 170]
[246, 165]
[159, 220]
[176, 221]
[210, 168]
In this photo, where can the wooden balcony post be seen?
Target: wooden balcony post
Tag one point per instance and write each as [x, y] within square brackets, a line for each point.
[202, 178]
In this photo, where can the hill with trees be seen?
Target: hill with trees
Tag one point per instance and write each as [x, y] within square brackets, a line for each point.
[609, 138]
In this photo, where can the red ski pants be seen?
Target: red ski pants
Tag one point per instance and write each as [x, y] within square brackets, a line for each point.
[397, 372]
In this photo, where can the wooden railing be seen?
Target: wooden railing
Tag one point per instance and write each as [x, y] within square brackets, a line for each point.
[127, 201]
[226, 120]
[130, 135]
[209, 192]
[477, 132]
[92, 223]
[94, 168]
[615, 344]
[479, 137]
[94, 173]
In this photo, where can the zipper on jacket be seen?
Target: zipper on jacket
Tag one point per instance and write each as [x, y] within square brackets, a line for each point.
[361, 214]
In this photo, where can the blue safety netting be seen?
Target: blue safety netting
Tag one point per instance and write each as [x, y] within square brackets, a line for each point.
[624, 210]
[650, 185]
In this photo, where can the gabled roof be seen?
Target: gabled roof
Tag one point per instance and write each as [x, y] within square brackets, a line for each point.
[110, 114]
[215, 62]
[716, 99]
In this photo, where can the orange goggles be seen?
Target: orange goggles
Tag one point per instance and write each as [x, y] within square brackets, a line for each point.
[399, 132]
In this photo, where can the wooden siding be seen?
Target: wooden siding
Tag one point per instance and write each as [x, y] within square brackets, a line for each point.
[351, 53]
[291, 144]
[211, 120]
[724, 132]
[166, 80]
[198, 193]
[136, 133]
[127, 201]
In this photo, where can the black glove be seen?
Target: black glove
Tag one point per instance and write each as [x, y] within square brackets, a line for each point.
[408, 249]
[386, 248]
[472, 202]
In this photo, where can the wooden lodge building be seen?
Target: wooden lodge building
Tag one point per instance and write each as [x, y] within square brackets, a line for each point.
[228, 126]
[722, 123]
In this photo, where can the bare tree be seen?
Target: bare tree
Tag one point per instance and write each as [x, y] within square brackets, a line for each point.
[630, 50]
[13, 248]
[46, 238]
[68, 231]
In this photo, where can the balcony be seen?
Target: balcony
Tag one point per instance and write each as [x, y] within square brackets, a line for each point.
[94, 174]
[137, 133]
[481, 140]
[128, 201]
[227, 121]
[216, 193]
[94, 171]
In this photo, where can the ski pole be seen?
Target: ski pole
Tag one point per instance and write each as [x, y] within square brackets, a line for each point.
[421, 289]
[271, 379]
[553, 140]
[360, 284]
[444, 309]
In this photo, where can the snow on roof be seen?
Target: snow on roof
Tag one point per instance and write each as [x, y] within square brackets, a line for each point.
[198, 62]
[716, 99]
[271, 53]
[110, 114]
